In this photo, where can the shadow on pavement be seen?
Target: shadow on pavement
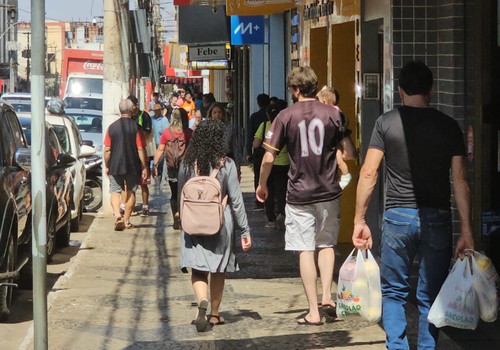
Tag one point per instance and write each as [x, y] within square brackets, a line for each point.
[319, 340]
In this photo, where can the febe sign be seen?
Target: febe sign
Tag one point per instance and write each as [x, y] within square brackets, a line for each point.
[247, 30]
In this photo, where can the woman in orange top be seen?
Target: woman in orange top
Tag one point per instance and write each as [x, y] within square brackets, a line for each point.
[189, 105]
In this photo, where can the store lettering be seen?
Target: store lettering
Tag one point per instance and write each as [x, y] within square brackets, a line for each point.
[93, 66]
[459, 318]
[207, 51]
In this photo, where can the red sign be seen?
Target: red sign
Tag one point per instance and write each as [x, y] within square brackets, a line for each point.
[182, 2]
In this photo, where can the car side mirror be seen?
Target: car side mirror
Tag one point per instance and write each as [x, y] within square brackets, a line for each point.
[64, 160]
[22, 158]
[87, 151]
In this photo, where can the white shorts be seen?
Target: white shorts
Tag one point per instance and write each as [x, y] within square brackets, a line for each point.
[311, 226]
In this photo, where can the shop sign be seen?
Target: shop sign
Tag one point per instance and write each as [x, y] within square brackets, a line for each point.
[207, 52]
[221, 65]
[247, 30]
[257, 7]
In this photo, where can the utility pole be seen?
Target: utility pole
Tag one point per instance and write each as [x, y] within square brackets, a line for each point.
[12, 43]
[28, 56]
[115, 84]
[38, 177]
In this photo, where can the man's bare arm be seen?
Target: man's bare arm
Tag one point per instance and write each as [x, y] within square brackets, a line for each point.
[143, 157]
[361, 234]
[367, 181]
[107, 155]
[461, 191]
[265, 170]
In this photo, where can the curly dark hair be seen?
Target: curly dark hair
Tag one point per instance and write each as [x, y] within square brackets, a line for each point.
[207, 146]
[274, 108]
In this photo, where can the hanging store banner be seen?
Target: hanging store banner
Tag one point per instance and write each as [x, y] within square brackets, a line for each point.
[178, 55]
[247, 30]
[257, 7]
[182, 2]
[207, 52]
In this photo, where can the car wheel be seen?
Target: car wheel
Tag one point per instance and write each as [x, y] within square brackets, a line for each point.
[64, 232]
[75, 223]
[8, 264]
[92, 195]
[51, 240]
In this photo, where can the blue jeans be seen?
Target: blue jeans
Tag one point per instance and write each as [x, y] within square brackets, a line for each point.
[406, 233]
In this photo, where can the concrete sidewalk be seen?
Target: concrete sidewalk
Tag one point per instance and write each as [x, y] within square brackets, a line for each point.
[125, 291]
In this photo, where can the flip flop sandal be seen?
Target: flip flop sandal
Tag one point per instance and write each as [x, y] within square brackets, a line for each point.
[119, 225]
[219, 321]
[304, 322]
[129, 226]
[201, 322]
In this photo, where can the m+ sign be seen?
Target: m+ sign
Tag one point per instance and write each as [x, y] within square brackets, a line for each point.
[246, 30]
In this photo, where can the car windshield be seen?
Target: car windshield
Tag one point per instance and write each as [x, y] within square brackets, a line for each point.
[87, 122]
[84, 103]
[87, 85]
[63, 137]
[21, 107]
[26, 125]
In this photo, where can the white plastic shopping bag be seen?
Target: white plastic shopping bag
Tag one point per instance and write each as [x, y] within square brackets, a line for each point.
[485, 284]
[456, 304]
[359, 293]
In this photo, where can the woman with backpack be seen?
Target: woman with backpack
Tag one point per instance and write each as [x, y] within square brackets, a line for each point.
[212, 254]
[173, 144]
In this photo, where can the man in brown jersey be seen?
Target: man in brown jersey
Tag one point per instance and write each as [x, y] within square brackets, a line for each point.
[310, 130]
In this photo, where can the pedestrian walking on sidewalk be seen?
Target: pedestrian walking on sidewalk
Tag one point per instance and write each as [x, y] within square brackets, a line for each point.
[218, 112]
[143, 119]
[125, 161]
[213, 255]
[173, 144]
[310, 130]
[421, 146]
[254, 155]
[278, 178]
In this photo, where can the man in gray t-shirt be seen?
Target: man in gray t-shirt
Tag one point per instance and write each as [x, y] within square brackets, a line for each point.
[310, 130]
[421, 146]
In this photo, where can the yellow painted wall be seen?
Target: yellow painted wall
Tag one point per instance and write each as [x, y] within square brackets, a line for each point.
[344, 80]
[319, 54]
[348, 7]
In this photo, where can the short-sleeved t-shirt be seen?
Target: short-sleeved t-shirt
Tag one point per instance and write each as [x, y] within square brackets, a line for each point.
[418, 145]
[168, 134]
[124, 157]
[310, 130]
[282, 156]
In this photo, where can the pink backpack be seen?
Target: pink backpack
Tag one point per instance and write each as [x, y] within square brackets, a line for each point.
[201, 205]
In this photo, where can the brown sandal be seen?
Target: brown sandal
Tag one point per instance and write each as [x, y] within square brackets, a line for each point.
[220, 320]
[119, 225]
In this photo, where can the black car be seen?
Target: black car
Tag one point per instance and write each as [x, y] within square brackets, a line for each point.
[59, 187]
[15, 204]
